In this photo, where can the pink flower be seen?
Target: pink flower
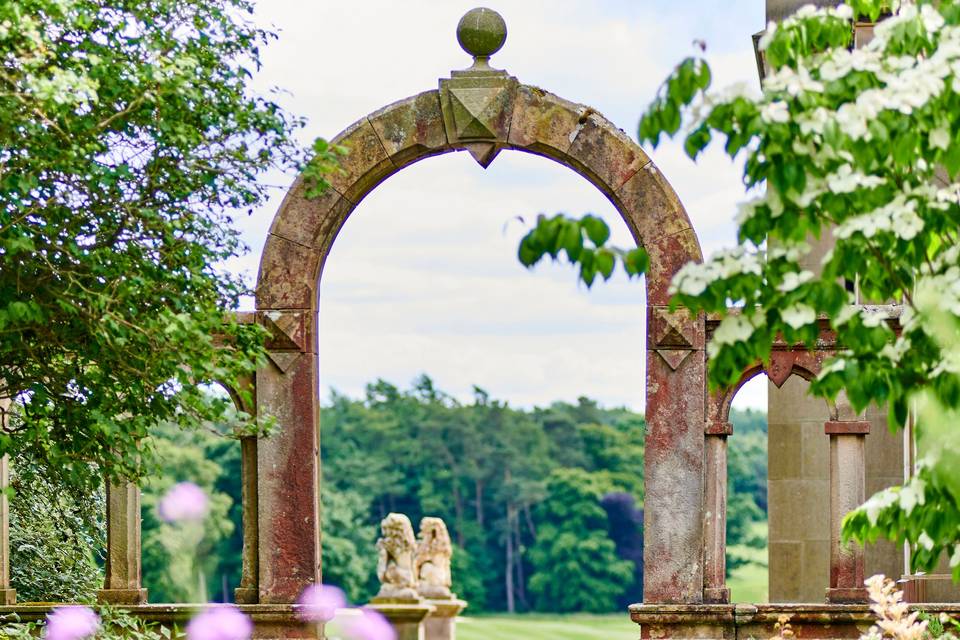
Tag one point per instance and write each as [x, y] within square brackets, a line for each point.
[71, 623]
[220, 622]
[319, 602]
[370, 625]
[184, 502]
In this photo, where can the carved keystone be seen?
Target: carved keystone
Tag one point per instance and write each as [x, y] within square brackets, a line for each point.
[477, 103]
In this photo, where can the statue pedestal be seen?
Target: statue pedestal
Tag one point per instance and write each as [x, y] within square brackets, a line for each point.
[442, 623]
[405, 616]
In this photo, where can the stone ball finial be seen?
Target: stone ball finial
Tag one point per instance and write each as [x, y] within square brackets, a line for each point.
[481, 32]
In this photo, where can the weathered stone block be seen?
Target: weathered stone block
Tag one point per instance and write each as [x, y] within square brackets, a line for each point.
[288, 275]
[288, 481]
[306, 220]
[411, 129]
[654, 206]
[609, 155]
[673, 475]
[543, 123]
[667, 255]
[366, 164]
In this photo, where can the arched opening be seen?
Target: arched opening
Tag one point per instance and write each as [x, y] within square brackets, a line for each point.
[747, 505]
[523, 118]
[429, 284]
[195, 561]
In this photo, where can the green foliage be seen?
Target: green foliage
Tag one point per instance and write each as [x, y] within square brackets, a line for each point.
[864, 145]
[116, 624]
[575, 564]
[57, 536]
[348, 543]
[129, 136]
[561, 234]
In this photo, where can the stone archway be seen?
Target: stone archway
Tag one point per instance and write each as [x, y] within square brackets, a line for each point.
[483, 111]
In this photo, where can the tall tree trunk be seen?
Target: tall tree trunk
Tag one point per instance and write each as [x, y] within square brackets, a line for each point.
[529, 518]
[508, 573]
[478, 492]
[521, 580]
[458, 508]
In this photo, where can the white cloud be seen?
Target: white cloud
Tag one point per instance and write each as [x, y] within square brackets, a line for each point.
[423, 277]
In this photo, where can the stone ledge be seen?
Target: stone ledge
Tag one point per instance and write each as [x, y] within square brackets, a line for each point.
[271, 621]
[810, 621]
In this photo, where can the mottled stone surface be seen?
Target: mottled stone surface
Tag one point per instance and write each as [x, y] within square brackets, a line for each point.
[288, 479]
[121, 583]
[434, 552]
[396, 559]
[411, 129]
[673, 476]
[405, 616]
[710, 622]
[441, 624]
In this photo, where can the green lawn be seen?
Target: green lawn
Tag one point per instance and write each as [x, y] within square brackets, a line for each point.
[546, 627]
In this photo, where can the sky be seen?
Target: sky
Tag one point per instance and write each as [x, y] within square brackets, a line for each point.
[423, 278]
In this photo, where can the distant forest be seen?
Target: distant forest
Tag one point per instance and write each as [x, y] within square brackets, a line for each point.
[544, 506]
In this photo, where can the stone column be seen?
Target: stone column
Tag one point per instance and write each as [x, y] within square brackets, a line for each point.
[847, 492]
[288, 461]
[248, 592]
[406, 616]
[7, 595]
[715, 514]
[122, 572]
[441, 624]
[674, 461]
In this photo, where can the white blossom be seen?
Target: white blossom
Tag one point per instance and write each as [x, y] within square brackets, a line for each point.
[898, 216]
[775, 112]
[932, 20]
[912, 495]
[798, 315]
[940, 137]
[767, 36]
[846, 180]
[878, 502]
[792, 280]
[852, 120]
[925, 541]
[955, 556]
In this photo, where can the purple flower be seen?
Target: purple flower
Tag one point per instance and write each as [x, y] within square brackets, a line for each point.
[184, 502]
[220, 622]
[319, 602]
[369, 625]
[71, 623]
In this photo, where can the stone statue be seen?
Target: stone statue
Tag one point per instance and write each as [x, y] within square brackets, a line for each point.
[433, 559]
[395, 567]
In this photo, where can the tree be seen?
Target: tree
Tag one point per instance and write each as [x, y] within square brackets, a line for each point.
[129, 135]
[626, 530]
[862, 144]
[575, 563]
[57, 537]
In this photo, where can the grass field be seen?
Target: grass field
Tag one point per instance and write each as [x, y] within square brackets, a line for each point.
[545, 627]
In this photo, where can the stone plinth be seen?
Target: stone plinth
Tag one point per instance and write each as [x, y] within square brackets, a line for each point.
[406, 616]
[441, 624]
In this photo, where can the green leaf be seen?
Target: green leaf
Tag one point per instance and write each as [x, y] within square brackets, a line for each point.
[597, 230]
